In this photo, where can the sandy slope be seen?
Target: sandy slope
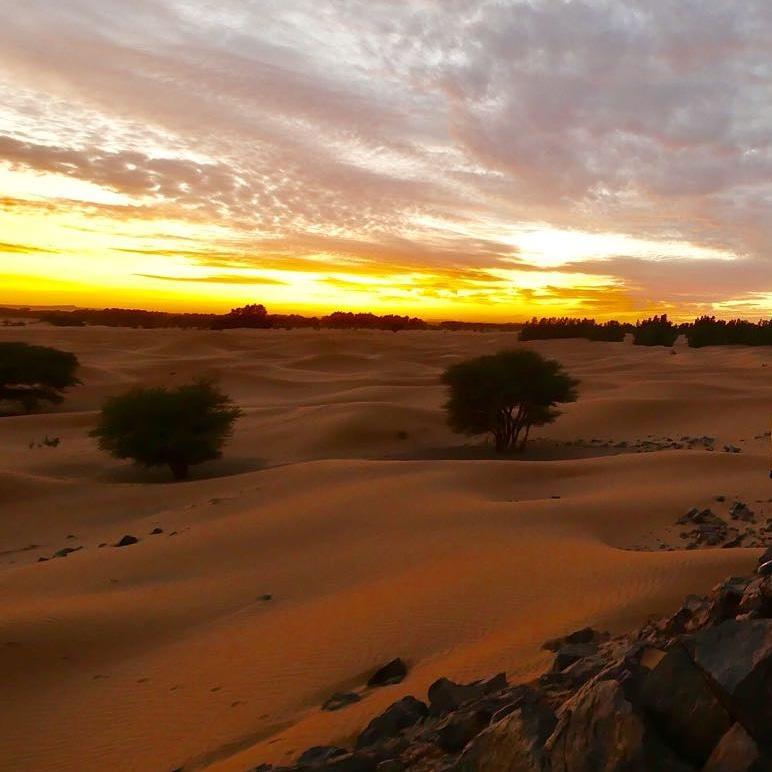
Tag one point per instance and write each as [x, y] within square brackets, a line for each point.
[163, 654]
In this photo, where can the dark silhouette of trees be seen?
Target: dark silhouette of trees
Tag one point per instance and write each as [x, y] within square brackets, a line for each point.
[346, 320]
[33, 374]
[253, 316]
[167, 427]
[506, 394]
[709, 331]
[656, 331]
[566, 327]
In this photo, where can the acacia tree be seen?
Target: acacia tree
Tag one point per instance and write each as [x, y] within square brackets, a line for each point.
[506, 394]
[33, 374]
[167, 427]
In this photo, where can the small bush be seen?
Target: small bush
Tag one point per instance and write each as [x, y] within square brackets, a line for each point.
[33, 374]
[506, 394]
[167, 427]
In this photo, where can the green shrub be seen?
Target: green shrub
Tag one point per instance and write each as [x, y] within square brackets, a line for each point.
[506, 394]
[167, 427]
[33, 374]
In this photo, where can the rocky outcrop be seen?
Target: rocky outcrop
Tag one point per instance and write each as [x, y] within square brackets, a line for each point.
[691, 691]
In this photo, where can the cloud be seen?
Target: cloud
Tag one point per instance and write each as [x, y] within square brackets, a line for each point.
[221, 279]
[344, 133]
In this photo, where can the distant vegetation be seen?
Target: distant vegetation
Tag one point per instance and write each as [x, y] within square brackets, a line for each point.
[657, 331]
[709, 331]
[178, 428]
[566, 327]
[31, 374]
[506, 394]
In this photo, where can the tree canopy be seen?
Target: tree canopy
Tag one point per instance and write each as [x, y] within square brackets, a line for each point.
[158, 426]
[33, 374]
[506, 394]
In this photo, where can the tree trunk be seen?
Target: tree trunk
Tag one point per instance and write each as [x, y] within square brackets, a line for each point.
[179, 469]
[525, 436]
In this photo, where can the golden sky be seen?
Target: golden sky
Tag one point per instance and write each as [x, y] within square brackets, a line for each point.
[444, 159]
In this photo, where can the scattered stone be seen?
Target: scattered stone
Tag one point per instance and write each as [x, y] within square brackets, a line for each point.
[65, 551]
[340, 700]
[741, 511]
[686, 692]
[126, 541]
[156, 531]
[266, 597]
[391, 673]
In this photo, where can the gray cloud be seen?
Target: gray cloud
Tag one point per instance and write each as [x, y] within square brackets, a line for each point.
[342, 126]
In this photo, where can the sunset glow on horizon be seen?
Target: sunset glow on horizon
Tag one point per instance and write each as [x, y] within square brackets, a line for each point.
[441, 159]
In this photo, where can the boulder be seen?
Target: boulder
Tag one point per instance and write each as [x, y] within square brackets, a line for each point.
[514, 744]
[402, 714]
[573, 652]
[598, 729]
[584, 635]
[127, 540]
[459, 728]
[391, 673]
[737, 752]
[445, 695]
[683, 707]
[756, 600]
[737, 658]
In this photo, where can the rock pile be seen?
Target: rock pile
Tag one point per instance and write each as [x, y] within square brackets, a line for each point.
[686, 692]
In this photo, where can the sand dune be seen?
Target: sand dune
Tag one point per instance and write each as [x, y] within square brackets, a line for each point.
[164, 654]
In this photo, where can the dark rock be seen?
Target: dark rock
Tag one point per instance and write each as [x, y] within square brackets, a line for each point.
[404, 713]
[456, 731]
[156, 531]
[757, 598]
[65, 551]
[585, 635]
[572, 652]
[391, 673]
[736, 752]
[445, 695]
[765, 569]
[766, 557]
[127, 540]
[266, 597]
[351, 762]
[741, 511]
[684, 708]
[341, 700]
[737, 657]
[320, 754]
[514, 744]
[390, 765]
[598, 729]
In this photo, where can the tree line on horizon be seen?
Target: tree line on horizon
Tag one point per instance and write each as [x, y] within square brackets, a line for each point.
[657, 330]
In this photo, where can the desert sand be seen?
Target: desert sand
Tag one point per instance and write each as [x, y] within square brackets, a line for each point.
[371, 544]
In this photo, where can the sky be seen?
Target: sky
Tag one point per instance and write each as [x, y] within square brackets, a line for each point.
[489, 159]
